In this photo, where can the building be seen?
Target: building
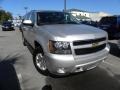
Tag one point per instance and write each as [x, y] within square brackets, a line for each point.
[87, 16]
[80, 14]
[17, 21]
[96, 16]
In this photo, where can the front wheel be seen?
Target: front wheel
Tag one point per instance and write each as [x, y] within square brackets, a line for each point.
[39, 61]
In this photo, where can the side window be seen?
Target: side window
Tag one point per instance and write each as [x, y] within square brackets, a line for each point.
[32, 17]
[23, 18]
[102, 20]
[27, 16]
[38, 18]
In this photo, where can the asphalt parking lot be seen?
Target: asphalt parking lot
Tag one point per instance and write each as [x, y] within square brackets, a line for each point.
[18, 73]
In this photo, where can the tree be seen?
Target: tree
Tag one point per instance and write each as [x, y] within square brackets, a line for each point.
[4, 16]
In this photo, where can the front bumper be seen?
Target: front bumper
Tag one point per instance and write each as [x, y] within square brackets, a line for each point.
[66, 64]
[8, 28]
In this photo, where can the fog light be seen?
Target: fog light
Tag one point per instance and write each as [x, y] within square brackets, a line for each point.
[108, 47]
[61, 70]
[79, 69]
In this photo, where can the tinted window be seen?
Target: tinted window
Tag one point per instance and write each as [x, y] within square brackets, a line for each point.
[7, 23]
[27, 16]
[55, 18]
[108, 20]
[32, 17]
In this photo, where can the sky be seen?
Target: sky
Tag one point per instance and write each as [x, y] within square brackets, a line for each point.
[16, 7]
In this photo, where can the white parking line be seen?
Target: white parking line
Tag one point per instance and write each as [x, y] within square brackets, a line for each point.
[110, 64]
[20, 81]
[113, 69]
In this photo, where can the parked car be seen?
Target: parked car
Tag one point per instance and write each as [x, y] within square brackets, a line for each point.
[111, 24]
[60, 45]
[91, 23]
[7, 26]
[118, 43]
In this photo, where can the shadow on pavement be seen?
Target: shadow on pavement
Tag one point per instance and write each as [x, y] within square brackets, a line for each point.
[8, 76]
[96, 79]
[47, 87]
[114, 50]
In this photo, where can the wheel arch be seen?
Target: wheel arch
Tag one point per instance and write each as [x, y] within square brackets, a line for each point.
[38, 45]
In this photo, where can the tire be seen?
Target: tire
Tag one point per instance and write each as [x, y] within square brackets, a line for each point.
[3, 29]
[38, 57]
[13, 29]
[24, 42]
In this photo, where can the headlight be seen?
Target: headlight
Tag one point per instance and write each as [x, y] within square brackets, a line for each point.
[59, 47]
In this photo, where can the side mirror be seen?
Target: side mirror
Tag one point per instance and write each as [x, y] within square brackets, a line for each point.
[28, 22]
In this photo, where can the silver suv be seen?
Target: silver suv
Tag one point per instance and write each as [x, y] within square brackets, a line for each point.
[61, 45]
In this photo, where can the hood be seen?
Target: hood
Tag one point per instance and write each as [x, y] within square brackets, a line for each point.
[71, 30]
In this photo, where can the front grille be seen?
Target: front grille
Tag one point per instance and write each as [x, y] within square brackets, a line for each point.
[83, 51]
[90, 41]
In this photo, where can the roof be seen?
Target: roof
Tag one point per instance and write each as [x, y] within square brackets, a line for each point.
[112, 16]
[46, 11]
[69, 10]
[82, 17]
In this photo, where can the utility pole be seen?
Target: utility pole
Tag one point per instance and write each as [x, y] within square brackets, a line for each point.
[65, 5]
[26, 8]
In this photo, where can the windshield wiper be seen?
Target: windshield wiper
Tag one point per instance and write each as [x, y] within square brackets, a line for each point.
[72, 22]
[60, 22]
[66, 22]
[46, 23]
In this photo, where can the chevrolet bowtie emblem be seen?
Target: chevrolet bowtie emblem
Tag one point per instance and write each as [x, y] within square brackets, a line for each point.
[95, 44]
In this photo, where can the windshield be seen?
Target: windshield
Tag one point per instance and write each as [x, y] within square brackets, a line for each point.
[7, 23]
[55, 18]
